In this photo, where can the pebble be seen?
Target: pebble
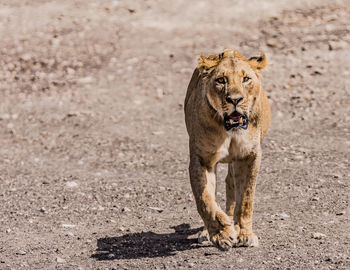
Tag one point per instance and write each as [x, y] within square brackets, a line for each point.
[160, 93]
[284, 215]
[337, 45]
[80, 162]
[160, 210]
[111, 256]
[71, 184]
[21, 252]
[340, 213]
[159, 132]
[125, 209]
[11, 66]
[5, 116]
[115, 3]
[318, 235]
[69, 234]
[86, 80]
[42, 210]
[69, 225]
[271, 43]
[26, 57]
[122, 229]
[70, 71]
[60, 260]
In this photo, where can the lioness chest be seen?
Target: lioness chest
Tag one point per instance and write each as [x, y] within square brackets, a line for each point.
[234, 148]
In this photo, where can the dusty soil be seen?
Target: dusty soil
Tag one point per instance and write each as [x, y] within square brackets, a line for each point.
[94, 151]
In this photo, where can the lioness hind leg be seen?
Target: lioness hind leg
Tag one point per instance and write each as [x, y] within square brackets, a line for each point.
[245, 174]
[219, 225]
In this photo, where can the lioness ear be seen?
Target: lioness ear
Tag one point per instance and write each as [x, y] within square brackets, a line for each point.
[206, 63]
[258, 62]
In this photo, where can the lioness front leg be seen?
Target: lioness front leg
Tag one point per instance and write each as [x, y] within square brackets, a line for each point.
[245, 174]
[220, 227]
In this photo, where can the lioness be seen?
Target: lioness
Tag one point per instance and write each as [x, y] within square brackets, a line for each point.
[227, 115]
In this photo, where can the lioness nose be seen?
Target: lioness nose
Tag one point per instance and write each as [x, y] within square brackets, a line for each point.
[234, 101]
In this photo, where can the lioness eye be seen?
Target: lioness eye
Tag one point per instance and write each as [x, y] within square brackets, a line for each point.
[246, 79]
[220, 80]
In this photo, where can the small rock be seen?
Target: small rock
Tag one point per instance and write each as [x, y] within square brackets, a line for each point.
[160, 210]
[315, 198]
[133, 60]
[271, 43]
[162, 188]
[10, 66]
[21, 252]
[337, 45]
[26, 57]
[160, 93]
[340, 213]
[86, 80]
[137, 101]
[318, 235]
[42, 210]
[80, 162]
[69, 225]
[284, 215]
[115, 3]
[69, 234]
[159, 132]
[70, 71]
[298, 157]
[60, 260]
[71, 184]
[5, 116]
[36, 160]
[111, 256]
[110, 77]
[8, 230]
[125, 209]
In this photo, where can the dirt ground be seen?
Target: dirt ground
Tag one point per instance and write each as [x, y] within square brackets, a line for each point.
[93, 145]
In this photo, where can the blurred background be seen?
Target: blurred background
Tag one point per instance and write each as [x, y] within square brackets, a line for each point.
[94, 150]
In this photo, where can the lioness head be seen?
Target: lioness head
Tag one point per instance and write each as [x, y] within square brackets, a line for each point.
[232, 86]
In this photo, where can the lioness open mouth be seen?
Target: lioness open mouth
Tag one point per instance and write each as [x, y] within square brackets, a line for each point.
[236, 120]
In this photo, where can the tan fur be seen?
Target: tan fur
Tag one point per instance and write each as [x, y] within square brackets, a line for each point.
[210, 143]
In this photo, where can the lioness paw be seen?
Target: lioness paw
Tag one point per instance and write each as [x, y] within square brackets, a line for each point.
[203, 236]
[247, 240]
[225, 239]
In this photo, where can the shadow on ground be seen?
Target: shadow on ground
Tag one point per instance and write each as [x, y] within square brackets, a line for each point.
[147, 244]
